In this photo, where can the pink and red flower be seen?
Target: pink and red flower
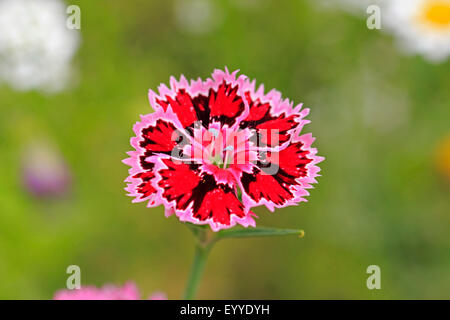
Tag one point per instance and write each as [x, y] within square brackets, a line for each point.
[214, 149]
[128, 291]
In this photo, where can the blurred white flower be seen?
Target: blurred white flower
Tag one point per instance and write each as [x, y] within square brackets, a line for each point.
[197, 16]
[36, 47]
[423, 26]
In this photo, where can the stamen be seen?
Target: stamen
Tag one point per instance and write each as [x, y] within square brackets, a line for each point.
[215, 132]
[228, 148]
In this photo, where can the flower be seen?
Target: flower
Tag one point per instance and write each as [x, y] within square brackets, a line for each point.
[36, 47]
[423, 26]
[44, 171]
[129, 291]
[442, 157]
[214, 149]
[158, 296]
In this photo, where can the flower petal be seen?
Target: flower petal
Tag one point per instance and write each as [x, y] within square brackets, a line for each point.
[188, 108]
[226, 99]
[216, 99]
[281, 178]
[128, 291]
[158, 133]
[273, 119]
[197, 197]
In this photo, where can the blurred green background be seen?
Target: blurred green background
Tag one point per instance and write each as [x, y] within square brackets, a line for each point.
[379, 117]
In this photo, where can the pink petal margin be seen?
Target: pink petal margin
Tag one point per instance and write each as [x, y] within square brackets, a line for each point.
[299, 190]
[134, 162]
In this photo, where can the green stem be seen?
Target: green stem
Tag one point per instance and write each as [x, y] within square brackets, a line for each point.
[205, 239]
[201, 253]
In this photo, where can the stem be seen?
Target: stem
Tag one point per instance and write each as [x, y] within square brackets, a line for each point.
[205, 239]
[201, 253]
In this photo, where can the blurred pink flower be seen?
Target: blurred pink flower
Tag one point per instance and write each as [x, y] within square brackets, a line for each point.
[128, 291]
[44, 171]
[158, 296]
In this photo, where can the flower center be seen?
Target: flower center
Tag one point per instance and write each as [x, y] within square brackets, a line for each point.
[223, 148]
[222, 159]
[436, 13]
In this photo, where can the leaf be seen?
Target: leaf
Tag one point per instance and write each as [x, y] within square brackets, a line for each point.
[258, 232]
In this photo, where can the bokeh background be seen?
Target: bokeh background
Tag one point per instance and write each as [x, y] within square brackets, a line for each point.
[381, 118]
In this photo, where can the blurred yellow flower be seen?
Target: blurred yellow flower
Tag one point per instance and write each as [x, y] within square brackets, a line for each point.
[443, 157]
[436, 13]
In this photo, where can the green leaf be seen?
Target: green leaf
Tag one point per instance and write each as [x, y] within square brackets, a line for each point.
[258, 232]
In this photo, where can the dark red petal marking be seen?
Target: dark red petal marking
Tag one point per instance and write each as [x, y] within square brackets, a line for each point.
[276, 127]
[259, 185]
[160, 138]
[185, 184]
[201, 104]
[257, 110]
[261, 119]
[188, 109]
[216, 201]
[145, 188]
[291, 163]
[293, 160]
[225, 104]
[182, 106]
[178, 182]
[219, 204]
